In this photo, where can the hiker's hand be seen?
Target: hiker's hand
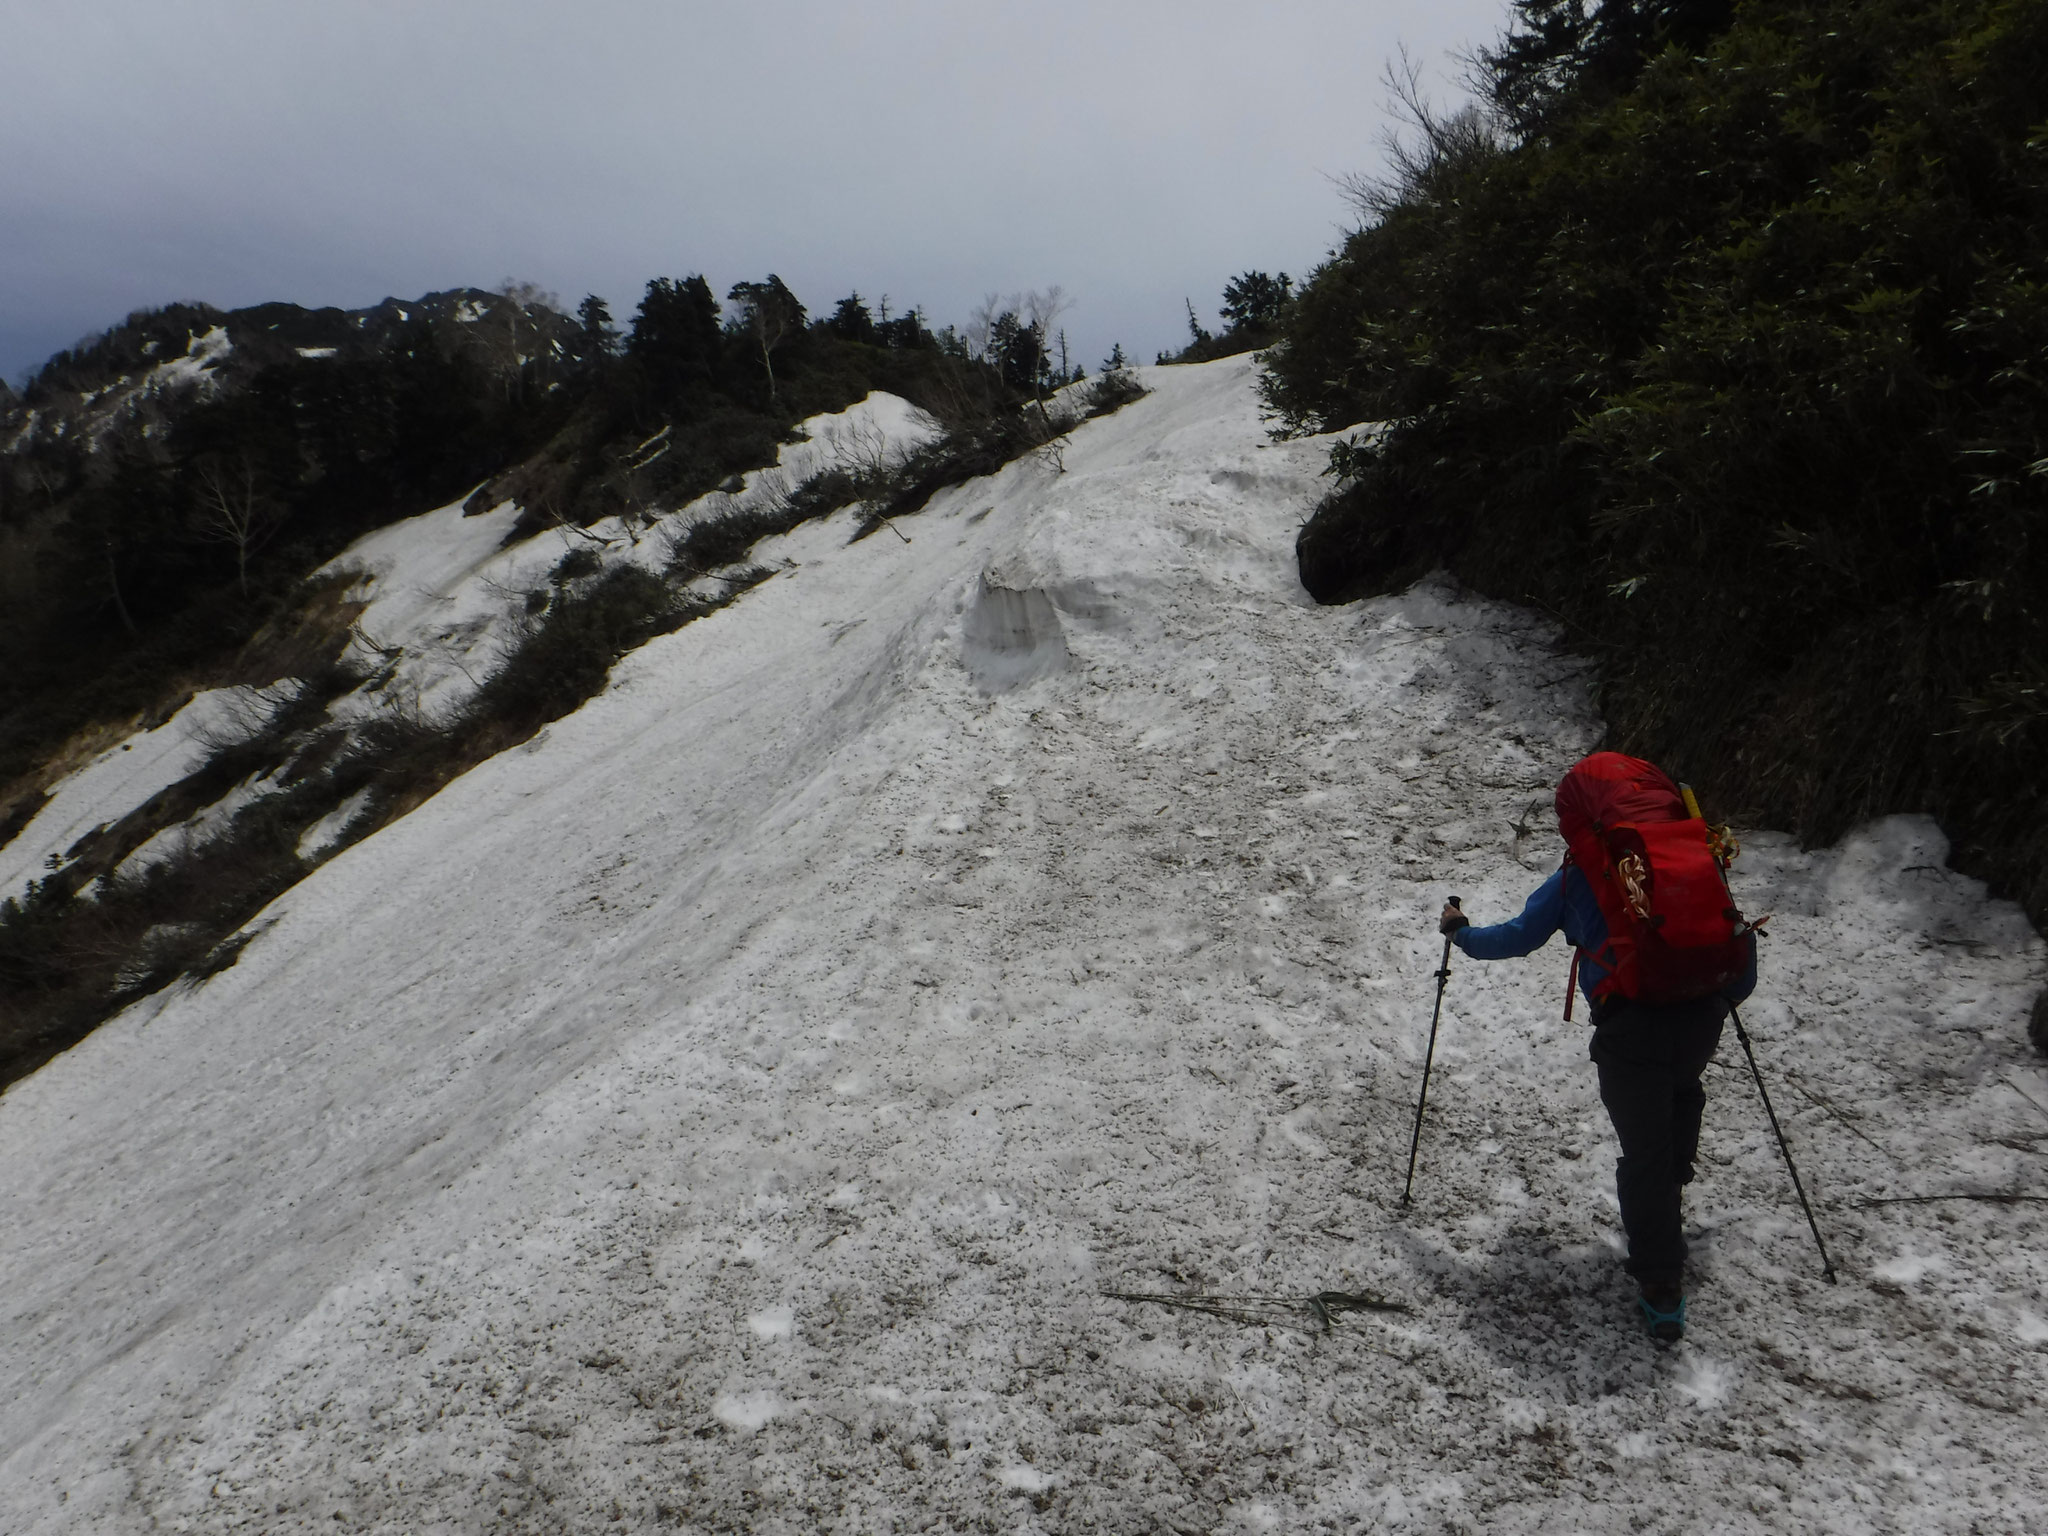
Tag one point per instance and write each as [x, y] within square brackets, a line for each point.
[1452, 921]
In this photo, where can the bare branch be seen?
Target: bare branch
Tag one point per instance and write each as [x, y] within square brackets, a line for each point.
[1422, 142]
[234, 509]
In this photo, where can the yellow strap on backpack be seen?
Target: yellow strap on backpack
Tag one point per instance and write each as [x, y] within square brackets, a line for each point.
[1720, 839]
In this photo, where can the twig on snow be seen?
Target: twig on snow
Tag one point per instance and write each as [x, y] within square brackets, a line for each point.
[1962, 1194]
[1850, 1125]
[1267, 1311]
[1253, 1310]
[1329, 1304]
[2016, 1088]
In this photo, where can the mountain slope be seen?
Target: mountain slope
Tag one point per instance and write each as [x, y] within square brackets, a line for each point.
[726, 1109]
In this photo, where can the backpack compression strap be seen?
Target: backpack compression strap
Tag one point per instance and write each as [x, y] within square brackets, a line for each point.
[1607, 958]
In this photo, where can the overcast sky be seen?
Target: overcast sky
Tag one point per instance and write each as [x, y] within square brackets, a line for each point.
[1134, 152]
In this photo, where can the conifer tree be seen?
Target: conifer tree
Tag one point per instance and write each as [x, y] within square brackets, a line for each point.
[674, 339]
[851, 321]
[1589, 49]
[1255, 300]
[597, 338]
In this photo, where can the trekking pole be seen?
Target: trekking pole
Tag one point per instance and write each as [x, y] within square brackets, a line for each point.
[1443, 975]
[1827, 1265]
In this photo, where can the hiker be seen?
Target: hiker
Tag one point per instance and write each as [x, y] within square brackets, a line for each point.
[1660, 954]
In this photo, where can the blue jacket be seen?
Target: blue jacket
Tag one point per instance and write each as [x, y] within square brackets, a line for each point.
[1565, 901]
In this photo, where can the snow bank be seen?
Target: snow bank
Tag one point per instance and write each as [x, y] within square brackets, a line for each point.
[446, 597]
[203, 352]
[726, 1111]
[127, 774]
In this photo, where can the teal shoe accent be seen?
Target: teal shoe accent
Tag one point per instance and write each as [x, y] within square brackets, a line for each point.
[1666, 1327]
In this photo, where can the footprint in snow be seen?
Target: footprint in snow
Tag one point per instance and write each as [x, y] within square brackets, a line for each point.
[1705, 1381]
[1907, 1268]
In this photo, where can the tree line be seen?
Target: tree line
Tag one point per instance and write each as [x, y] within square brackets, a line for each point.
[1715, 332]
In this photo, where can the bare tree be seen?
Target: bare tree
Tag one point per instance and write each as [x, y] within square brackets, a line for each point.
[1039, 311]
[234, 508]
[1052, 453]
[968, 395]
[547, 508]
[1423, 143]
[980, 329]
[860, 451]
[770, 312]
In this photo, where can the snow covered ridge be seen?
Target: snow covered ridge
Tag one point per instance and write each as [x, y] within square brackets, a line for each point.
[138, 373]
[727, 1111]
[442, 603]
[93, 413]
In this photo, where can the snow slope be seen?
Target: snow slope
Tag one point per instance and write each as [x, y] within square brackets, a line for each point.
[443, 593]
[128, 773]
[724, 1112]
[443, 605]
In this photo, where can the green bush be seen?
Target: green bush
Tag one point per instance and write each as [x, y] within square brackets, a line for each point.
[1112, 390]
[1733, 366]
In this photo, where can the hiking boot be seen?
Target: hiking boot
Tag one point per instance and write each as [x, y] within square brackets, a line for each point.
[1664, 1311]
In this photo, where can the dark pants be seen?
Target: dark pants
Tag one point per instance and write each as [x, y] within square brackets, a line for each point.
[1650, 1059]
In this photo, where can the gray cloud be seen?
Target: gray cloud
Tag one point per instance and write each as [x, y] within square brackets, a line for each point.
[236, 151]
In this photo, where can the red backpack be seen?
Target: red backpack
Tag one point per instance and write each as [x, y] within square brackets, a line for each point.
[1659, 874]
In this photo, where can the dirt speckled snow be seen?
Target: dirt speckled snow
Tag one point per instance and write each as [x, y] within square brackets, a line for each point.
[725, 1112]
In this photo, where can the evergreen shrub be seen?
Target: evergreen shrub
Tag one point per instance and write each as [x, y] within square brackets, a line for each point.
[1731, 362]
